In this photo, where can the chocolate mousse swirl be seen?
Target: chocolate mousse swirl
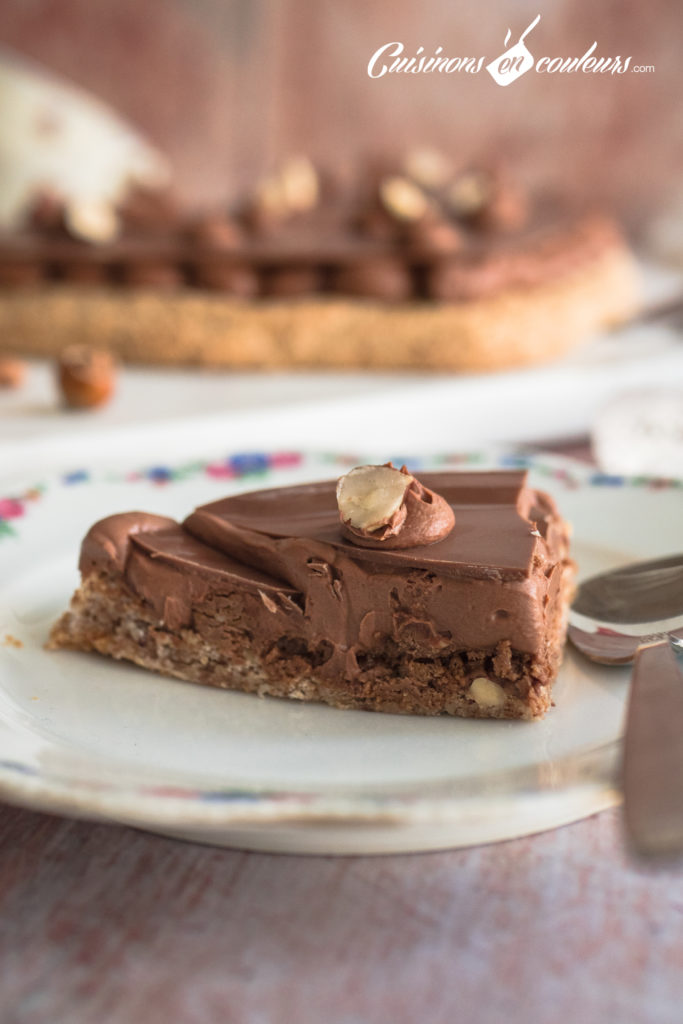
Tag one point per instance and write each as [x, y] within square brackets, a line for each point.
[384, 507]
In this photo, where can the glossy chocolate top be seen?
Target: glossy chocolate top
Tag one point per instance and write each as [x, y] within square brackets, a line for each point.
[493, 537]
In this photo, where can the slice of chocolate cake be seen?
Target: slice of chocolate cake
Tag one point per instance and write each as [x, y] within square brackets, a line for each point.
[447, 595]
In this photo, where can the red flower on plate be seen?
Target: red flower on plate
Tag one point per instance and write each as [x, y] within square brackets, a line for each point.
[220, 471]
[11, 508]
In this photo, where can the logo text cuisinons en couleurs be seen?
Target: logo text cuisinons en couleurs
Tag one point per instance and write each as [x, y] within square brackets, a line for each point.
[511, 64]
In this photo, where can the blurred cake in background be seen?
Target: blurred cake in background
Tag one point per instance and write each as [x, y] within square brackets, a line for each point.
[418, 262]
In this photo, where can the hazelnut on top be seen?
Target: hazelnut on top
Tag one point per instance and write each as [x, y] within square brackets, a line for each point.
[385, 507]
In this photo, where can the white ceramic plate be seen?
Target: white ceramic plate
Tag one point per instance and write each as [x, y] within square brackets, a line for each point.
[86, 736]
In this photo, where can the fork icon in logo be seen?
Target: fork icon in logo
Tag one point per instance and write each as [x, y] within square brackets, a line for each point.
[514, 62]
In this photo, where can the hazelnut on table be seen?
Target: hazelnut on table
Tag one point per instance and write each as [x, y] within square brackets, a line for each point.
[86, 376]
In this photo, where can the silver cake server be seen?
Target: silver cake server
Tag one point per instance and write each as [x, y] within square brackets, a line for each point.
[635, 614]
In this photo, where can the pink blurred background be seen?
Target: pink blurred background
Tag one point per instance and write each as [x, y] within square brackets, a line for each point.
[227, 87]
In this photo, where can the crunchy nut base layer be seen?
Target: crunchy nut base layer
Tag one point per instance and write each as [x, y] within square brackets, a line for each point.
[105, 616]
[512, 328]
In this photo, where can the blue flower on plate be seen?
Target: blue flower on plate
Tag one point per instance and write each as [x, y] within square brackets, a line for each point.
[606, 480]
[248, 463]
[77, 476]
[159, 474]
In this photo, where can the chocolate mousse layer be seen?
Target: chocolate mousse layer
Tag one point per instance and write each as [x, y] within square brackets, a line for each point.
[262, 592]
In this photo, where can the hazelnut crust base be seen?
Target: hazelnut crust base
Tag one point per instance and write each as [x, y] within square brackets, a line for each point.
[518, 326]
[107, 617]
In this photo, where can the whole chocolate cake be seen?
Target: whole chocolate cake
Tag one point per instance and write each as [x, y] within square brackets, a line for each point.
[441, 596]
[419, 265]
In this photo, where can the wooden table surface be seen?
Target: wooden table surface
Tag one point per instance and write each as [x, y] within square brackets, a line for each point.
[100, 923]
